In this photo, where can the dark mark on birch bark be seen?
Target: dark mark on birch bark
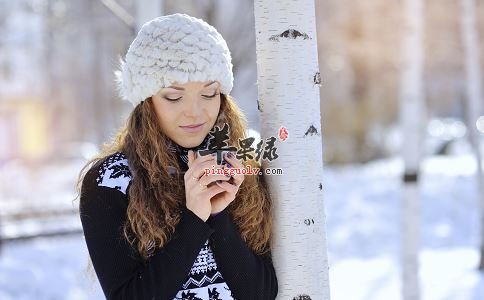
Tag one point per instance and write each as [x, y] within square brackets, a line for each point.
[289, 34]
[410, 177]
[309, 221]
[311, 130]
[317, 79]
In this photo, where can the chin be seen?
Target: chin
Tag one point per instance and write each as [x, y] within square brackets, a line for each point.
[192, 142]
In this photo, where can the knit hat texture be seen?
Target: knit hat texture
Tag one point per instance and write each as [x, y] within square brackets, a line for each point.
[170, 49]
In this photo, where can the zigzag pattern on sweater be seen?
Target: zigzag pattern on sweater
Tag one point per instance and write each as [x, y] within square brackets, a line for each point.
[205, 279]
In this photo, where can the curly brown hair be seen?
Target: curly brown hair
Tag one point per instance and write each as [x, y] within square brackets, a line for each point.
[154, 192]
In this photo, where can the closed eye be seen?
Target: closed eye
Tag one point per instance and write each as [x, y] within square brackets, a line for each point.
[212, 96]
[172, 100]
[176, 99]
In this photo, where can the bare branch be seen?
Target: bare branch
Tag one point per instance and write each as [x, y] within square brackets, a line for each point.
[120, 12]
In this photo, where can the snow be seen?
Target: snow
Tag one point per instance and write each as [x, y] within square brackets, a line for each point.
[363, 228]
[47, 268]
[364, 233]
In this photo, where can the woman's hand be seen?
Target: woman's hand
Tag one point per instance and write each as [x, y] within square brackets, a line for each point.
[197, 193]
[221, 200]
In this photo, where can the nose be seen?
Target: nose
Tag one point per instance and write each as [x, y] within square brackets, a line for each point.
[193, 107]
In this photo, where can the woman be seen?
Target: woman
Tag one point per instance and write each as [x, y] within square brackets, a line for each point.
[156, 225]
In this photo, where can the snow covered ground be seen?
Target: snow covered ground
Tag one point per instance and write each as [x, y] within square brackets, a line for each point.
[363, 227]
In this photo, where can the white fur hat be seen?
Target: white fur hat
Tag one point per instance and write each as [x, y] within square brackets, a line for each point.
[173, 48]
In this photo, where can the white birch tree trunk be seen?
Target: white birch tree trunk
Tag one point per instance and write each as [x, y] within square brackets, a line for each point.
[288, 96]
[412, 118]
[147, 10]
[474, 95]
[87, 73]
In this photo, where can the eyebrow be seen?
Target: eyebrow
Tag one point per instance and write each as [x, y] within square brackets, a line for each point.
[182, 89]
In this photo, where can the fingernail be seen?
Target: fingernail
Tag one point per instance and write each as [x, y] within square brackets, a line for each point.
[230, 155]
[226, 173]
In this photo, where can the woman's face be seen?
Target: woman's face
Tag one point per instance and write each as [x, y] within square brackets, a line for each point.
[180, 107]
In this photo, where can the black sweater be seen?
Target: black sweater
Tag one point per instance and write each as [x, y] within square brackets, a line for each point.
[203, 260]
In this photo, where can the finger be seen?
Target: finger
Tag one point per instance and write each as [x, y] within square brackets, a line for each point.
[227, 186]
[237, 180]
[203, 158]
[206, 173]
[211, 172]
[212, 191]
[236, 164]
[194, 169]
[208, 179]
[199, 169]
[190, 179]
[233, 161]
[190, 157]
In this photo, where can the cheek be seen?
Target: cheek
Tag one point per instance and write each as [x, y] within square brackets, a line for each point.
[165, 111]
[214, 109]
[165, 115]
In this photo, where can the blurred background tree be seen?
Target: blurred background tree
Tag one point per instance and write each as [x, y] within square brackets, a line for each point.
[58, 58]
[58, 104]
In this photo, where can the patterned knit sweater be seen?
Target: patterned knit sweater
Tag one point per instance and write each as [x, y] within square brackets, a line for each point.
[203, 260]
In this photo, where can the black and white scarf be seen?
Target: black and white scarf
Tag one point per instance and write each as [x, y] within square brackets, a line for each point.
[183, 152]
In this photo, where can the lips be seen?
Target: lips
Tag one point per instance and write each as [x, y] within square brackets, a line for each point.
[192, 126]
